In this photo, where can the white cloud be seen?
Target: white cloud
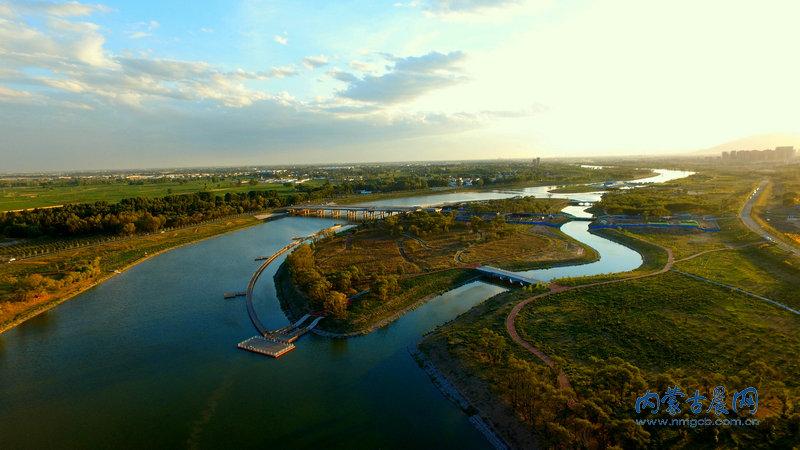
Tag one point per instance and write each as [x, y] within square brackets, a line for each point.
[7, 93]
[466, 6]
[283, 40]
[343, 76]
[144, 29]
[407, 79]
[64, 9]
[361, 66]
[280, 72]
[313, 62]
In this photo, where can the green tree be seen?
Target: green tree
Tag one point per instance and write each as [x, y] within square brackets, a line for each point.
[335, 304]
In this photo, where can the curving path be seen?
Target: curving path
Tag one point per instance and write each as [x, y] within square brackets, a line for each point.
[563, 380]
[251, 311]
[511, 327]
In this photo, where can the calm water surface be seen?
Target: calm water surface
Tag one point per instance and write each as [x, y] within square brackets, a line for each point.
[149, 359]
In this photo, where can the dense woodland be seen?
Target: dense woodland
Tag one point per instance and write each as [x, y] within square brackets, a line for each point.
[330, 294]
[143, 214]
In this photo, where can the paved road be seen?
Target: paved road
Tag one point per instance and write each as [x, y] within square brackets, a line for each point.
[746, 215]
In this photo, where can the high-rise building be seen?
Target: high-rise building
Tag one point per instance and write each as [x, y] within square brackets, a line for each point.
[784, 153]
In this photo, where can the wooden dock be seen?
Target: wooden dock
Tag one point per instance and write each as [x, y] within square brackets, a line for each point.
[266, 346]
[276, 343]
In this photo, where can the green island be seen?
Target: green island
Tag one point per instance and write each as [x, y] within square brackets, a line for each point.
[371, 274]
[705, 309]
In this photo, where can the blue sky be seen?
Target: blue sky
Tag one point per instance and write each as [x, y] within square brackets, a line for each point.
[165, 83]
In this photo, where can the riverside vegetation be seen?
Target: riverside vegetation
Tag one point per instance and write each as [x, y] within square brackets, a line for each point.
[367, 275]
[59, 243]
[614, 341]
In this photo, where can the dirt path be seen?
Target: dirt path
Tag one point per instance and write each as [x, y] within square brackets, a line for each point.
[563, 380]
[511, 328]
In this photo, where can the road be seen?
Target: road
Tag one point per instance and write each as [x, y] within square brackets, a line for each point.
[746, 215]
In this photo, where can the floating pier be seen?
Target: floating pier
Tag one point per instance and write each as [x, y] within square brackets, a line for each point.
[276, 343]
[266, 346]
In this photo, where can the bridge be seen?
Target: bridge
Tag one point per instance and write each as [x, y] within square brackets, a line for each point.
[505, 275]
[353, 212]
[277, 342]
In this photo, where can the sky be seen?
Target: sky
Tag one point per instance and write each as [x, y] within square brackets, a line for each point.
[126, 84]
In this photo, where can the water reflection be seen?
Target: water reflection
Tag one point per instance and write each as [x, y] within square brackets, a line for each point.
[148, 359]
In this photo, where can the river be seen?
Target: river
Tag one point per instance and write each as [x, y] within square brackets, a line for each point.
[149, 358]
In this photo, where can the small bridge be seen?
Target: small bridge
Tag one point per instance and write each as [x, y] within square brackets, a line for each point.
[277, 342]
[506, 275]
[354, 213]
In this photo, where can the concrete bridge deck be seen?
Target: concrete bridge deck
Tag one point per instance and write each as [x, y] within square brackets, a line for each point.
[354, 208]
[353, 212]
[505, 275]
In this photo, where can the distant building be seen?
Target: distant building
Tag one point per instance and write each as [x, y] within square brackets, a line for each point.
[786, 152]
[780, 154]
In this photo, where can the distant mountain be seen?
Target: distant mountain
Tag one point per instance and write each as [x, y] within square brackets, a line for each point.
[758, 142]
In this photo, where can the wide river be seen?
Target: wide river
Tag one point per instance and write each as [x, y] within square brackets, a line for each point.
[149, 358]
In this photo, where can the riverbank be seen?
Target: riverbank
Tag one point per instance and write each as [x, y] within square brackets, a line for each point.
[116, 258]
[388, 267]
[478, 419]
[443, 350]
[295, 304]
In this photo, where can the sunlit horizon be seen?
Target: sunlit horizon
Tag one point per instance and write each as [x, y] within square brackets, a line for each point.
[123, 84]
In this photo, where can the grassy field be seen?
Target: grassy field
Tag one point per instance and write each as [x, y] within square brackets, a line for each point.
[17, 303]
[13, 198]
[764, 270]
[666, 322]
[422, 265]
[377, 252]
[614, 342]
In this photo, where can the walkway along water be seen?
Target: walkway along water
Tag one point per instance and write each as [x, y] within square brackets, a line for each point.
[277, 343]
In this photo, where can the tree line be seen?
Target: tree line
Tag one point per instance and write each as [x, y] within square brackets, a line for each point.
[597, 411]
[141, 214]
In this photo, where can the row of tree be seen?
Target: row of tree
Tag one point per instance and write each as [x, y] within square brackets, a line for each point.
[598, 410]
[144, 214]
